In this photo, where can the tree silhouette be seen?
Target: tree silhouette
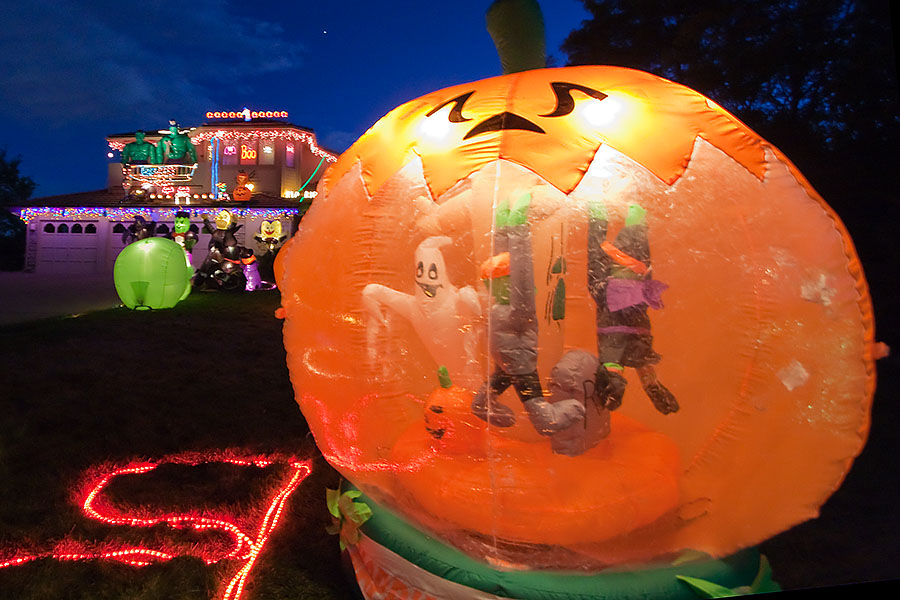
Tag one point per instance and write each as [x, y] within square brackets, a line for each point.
[14, 189]
[817, 79]
[13, 186]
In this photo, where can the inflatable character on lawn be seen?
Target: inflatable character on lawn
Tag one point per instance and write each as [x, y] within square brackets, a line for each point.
[223, 231]
[181, 233]
[222, 267]
[139, 230]
[441, 314]
[175, 148]
[621, 283]
[269, 236]
[509, 275]
[139, 152]
[251, 272]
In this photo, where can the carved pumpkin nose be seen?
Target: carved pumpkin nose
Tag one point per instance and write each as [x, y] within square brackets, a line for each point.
[504, 120]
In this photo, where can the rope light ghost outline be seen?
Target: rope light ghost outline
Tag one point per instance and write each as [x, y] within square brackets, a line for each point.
[243, 547]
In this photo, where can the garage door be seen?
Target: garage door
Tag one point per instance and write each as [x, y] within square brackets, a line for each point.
[68, 248]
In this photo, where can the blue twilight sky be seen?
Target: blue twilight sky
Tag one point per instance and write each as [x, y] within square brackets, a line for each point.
[73, 72]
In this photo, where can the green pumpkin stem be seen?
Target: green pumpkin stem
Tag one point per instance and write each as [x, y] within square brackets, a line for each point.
[517, 28]
[444, 377]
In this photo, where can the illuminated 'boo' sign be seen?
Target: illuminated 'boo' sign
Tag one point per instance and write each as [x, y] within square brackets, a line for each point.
[248, 114]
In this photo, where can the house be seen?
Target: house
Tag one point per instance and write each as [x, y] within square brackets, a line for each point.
[255, 164]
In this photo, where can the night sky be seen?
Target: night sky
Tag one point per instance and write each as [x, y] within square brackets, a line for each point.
[75, 72]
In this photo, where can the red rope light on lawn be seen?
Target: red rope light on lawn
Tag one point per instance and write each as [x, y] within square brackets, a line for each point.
[243, 547]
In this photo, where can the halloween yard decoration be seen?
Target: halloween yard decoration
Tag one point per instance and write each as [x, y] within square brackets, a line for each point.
[243, 191]
[175, 147]
[270, 237]
[139, 152]
[151, 273]
[441, 314]
[182, 234]
[723, 387]
[222, 269]
[139, 230]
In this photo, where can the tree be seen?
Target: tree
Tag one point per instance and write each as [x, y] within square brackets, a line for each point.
[13, 186]
[14, 189]
[817, 79]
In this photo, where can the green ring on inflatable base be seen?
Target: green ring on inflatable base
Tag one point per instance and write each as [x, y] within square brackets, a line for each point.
[398, 536]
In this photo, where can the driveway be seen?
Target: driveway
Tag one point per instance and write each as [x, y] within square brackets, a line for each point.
[29, 296]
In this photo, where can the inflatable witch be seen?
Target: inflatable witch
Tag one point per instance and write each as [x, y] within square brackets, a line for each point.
[223, 267]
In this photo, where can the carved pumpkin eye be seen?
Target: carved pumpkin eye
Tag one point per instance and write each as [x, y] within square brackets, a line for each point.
[564, 102]
[455, 112]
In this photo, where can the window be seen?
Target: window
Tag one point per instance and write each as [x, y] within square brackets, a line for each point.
[248, 153]
[162, 229]
[267, 153]
[63, 228]
[49, 228]
[229, 154]
[77, 228]
[119, 228]
[289, 155]
[91, 228]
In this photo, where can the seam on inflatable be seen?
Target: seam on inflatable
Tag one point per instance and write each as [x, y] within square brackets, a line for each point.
[863, 303]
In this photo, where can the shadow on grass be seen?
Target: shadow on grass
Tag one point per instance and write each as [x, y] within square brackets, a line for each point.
[116, 385]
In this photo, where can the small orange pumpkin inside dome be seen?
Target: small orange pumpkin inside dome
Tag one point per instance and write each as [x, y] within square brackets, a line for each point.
[740, 383]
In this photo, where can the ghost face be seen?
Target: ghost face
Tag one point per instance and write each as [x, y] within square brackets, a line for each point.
[431, 273]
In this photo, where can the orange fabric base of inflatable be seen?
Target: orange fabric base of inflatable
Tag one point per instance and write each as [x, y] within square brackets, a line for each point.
[523, 492]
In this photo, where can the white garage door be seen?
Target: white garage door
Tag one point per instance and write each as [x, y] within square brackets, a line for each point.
[68, 248]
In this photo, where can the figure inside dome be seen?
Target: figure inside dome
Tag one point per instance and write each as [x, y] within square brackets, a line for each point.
[513, 329]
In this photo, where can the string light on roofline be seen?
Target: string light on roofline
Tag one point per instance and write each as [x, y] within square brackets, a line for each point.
[244, 547]
[265, 135]
[255, 134]
[128, 214]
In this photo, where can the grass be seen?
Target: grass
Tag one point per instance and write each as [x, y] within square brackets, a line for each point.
[115, 385]
[210, 374]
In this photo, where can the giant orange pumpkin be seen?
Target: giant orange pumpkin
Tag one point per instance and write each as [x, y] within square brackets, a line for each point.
[766, 332]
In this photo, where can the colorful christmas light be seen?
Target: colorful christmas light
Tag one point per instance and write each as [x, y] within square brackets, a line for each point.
[127, 214]
[267, 135]
[244, 547]
[158, 174]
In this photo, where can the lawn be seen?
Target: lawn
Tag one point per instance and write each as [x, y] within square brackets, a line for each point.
[87, 394]
[109, 387]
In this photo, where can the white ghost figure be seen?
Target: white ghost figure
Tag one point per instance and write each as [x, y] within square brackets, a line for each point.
[441, 314]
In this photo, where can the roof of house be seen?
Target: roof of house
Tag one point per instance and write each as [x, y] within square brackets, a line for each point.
[117, 198]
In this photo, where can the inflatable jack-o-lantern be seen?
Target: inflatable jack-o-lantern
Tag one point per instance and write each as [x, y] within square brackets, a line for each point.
[243, 191]
[706, 382]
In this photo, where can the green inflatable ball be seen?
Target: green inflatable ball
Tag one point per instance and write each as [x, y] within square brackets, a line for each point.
[152, 273]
